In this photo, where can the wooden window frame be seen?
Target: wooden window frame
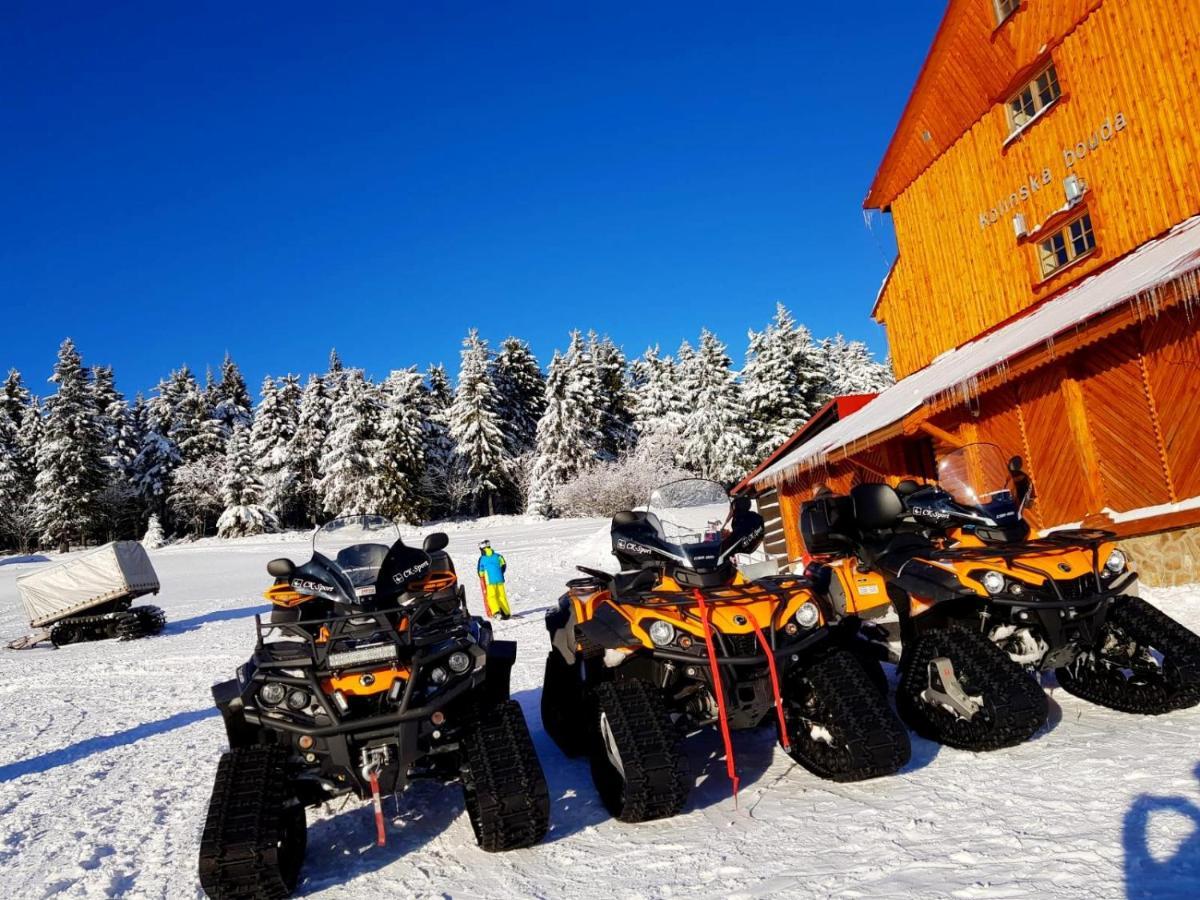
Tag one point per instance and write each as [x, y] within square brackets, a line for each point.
[1003, 15]
[1036, 103]
[1063, 233]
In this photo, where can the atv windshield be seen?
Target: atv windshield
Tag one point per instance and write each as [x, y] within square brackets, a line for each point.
[977, 476]
[358, 545]
[690, 511]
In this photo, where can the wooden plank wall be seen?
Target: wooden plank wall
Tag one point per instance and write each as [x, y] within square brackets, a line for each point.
[955, 278]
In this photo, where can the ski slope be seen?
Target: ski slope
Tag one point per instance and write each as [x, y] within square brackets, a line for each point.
[107, 752]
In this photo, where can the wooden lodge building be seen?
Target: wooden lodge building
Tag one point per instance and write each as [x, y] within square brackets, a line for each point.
[1044, 187]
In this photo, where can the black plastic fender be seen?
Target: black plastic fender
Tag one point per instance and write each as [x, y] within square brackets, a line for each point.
[608, 629]
[228, 697]
[500, 658]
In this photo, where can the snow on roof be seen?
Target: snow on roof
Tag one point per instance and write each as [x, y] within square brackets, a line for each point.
[1135, 278]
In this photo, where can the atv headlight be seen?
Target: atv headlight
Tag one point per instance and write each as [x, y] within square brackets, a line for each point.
[272, 693]
[993, 582]
[662, 633]
[459, 662]
[807, 615]
[297, 701]
[438, 675]
[1116, 562]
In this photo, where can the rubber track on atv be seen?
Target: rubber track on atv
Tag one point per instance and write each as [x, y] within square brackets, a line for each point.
[1015, 706]
[244, 854]
[504, 787]
[140, 622]
[869, 741]
[1147, 626]
[656, 783]
[562, 705]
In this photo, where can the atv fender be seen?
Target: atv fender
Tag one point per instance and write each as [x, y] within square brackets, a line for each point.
[228, 697]
[608, 629]
[500, 658]
[560, 622]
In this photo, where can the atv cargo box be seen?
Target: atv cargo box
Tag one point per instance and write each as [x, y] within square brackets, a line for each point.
[116, 570]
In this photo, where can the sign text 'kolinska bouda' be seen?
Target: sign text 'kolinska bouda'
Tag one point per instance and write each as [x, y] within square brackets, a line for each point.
[1033, 183]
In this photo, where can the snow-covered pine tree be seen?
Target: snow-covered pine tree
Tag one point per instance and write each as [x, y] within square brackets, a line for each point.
[444, 482]
[242, 491]
[402, 447]
[275, 423]
[350, 463]
[614, 400]
[157, 455]
[29, 435]
[154, 537]
[14, 398]
[520, 391]
[334, 376]
[117, 510]
[849, 368]
[307, 446]
[782, 382]
[231, 403]
[686, 377]
[567, 431]
[714, 443]
[193, 429]
[476, 426]
[70, 465]
[658, 410]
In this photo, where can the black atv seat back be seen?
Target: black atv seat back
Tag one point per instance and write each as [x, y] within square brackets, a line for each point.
[876, 506]
[827, 524]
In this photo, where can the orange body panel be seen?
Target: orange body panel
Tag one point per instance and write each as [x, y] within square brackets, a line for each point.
[353, 684]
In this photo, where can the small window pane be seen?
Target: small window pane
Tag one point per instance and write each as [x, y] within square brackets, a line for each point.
[1033, 98]
[1005, 8]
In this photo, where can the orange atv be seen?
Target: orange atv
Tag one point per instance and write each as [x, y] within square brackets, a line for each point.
[981, 608]
[370, 674]
[679, 640]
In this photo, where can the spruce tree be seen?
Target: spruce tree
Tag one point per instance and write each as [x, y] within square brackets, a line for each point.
[350, 463]
[231, 403]
[242, 491]
[70, 466]
[307, 446]
[848, 368]
[275, 423]
[714, 444]
[158, 454]
[520, 391]
[614, 400]
[14, 398]
[781, 382]
[193, 429]
[402, 447]
[476, 426]
[444, 481]
[658, 409]
[567, 431]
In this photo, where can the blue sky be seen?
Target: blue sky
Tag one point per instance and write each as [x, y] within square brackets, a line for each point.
[276, 179]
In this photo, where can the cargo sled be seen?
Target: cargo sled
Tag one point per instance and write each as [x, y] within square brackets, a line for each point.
[90, 597]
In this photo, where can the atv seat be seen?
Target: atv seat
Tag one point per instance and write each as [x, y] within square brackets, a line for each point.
[898, 550]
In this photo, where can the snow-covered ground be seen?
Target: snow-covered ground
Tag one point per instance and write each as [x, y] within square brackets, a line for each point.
[107, 753]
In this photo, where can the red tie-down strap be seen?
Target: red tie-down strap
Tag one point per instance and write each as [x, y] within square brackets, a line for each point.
[762, 641]
[718, 688]
[380, 831]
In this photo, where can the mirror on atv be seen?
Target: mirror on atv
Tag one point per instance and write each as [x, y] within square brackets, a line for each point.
[436, 542]
[281, 568]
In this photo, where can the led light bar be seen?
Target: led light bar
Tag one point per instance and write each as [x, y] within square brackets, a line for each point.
[363, 655]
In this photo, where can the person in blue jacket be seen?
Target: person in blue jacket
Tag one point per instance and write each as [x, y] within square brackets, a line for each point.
[491, 581]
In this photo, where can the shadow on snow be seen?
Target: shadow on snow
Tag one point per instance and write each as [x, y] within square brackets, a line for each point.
[73, 753]
[1150, 874]
[220, 615]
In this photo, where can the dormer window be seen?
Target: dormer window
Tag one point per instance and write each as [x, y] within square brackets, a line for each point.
[1032, 100]
[1004, 9]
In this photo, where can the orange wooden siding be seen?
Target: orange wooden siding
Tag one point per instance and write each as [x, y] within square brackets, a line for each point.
[955, 279]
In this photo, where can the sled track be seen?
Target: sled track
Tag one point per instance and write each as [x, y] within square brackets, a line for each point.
[656, 783]
[1015, 705]
[253, 844]
[868, 740]
[504, 788]
[1178, 688]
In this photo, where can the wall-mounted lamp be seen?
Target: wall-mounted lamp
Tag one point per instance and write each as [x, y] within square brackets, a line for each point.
[1019, 228]
[1073, 189]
